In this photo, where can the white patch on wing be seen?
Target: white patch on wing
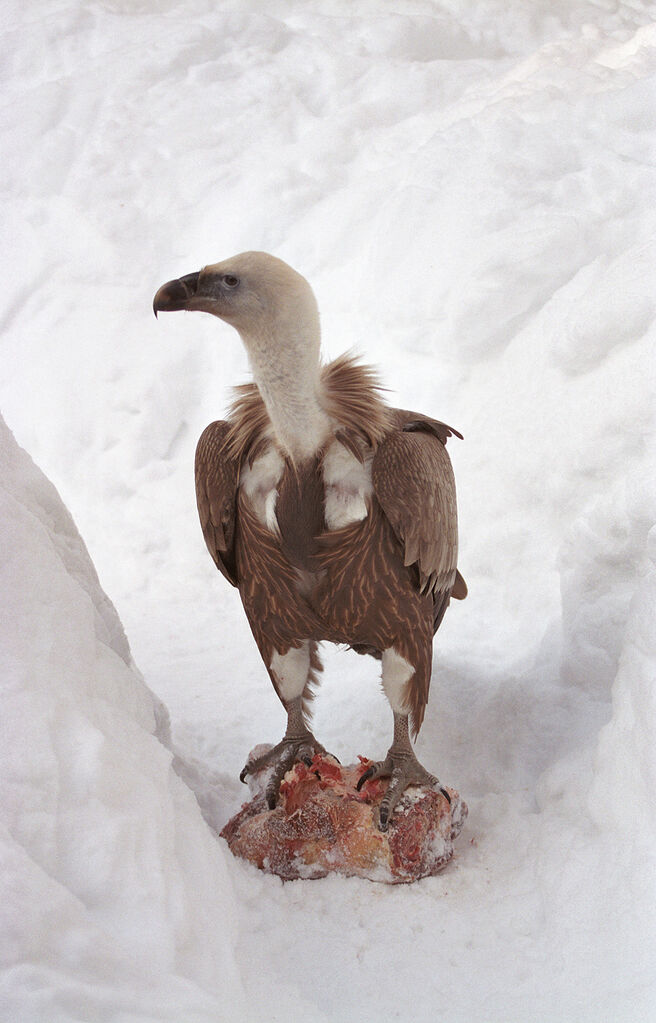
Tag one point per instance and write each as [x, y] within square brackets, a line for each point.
[397, 672]
[259, 482]
[292, 670]
[348, 486]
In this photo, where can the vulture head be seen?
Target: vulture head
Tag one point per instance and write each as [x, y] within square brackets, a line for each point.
[274, 310]
[262, 297]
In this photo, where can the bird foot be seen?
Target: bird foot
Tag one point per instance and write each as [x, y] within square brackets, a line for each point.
[281, 758]
[403, 769]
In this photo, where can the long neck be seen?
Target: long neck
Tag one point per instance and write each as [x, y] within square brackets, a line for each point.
[290, 388]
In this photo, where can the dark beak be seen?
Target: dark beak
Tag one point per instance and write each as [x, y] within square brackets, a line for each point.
[176, 294]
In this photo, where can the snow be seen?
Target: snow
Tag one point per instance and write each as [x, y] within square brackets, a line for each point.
[102, 844]
[470, 188]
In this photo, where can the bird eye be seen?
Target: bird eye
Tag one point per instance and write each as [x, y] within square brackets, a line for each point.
[230, 281]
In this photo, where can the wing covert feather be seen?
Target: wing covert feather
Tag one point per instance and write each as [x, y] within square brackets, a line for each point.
[217, 479]
[414, 483]
[410, 422]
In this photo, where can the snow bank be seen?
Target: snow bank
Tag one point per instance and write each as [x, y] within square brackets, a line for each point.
[625, 777]
[116, 900]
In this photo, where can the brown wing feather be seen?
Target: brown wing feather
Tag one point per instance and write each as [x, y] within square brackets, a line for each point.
[217, 478]
[459, 590]
[413, 481]
[410, 422]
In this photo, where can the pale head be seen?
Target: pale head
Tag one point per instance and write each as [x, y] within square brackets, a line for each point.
[274, 310]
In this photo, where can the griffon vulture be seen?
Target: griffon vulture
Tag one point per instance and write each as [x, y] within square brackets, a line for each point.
[332, 513]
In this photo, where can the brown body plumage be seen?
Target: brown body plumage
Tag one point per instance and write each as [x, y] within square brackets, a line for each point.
[381, 582]
[345, 530]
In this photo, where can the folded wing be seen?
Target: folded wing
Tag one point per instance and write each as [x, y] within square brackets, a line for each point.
[414, 483]
[217, 479]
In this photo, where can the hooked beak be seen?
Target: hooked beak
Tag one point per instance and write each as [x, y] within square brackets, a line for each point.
[178, 294]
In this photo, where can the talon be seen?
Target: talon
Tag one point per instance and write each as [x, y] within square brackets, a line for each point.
[403, 770]
[273, 788]
[280, 759]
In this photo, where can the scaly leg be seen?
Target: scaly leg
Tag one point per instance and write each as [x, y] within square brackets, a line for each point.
[292, 673]
[405, 682]
[298, 743]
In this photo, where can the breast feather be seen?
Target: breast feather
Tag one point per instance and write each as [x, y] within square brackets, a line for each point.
[348, 486]
[259, 482]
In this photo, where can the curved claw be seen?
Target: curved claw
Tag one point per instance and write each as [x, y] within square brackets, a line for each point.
[369, 773]
[282, 758]
[283, 765]
[395, 789]
[403, 771]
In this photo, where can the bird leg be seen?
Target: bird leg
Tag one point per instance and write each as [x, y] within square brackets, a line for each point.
[298, 743]
[402, 768]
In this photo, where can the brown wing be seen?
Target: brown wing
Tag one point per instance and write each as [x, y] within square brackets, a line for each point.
[415, 421]
[217, 478]
[413, 481]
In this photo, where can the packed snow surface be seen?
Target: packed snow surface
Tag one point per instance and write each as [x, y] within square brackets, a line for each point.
[471, 189]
